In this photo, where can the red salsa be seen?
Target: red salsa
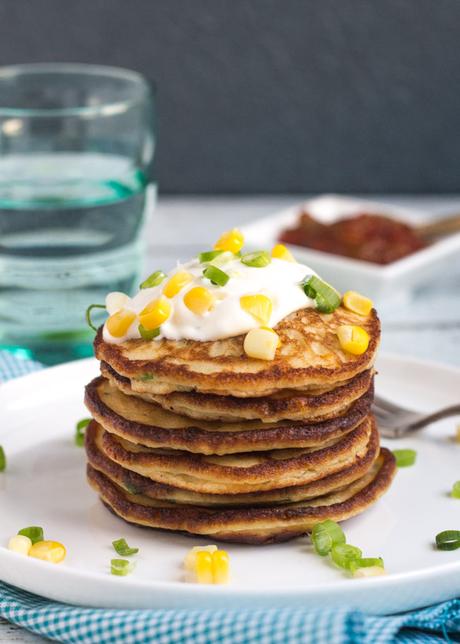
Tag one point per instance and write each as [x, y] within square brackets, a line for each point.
[366, 236]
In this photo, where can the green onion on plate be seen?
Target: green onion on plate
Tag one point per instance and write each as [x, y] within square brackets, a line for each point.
[122, 548]
[325, 535]
[121, 567]
[405, 457]
[147, 334]
[153, 280]
[365, 562]
[343, 554]
[448, 540]
[80, 428]
[34, 532]
[455, 494]
[216, 276]
[2, 459]
[258, 259]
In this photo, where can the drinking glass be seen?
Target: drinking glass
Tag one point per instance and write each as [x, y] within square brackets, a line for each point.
[76, 150]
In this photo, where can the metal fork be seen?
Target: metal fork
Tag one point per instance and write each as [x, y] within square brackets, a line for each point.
[395, 421]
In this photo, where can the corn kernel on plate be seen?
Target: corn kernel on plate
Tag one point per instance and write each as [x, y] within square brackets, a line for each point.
[44, 485]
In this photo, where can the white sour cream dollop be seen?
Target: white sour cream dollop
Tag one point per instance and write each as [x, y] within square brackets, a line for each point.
[280, 281]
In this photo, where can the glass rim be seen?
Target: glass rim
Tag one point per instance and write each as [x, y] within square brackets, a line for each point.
[106, 109]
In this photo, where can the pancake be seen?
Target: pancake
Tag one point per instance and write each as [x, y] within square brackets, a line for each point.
[150, 425]
[309, 356]
[136, 484]
[248, 524]
[283, 405]
[243, 472]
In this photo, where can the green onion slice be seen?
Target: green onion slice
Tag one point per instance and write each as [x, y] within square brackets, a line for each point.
[153, 280]
[326, 297]
[2, 459]
[343, 554]
[456, 490]
[217, 277]
[258, 259]
[146, 376]
[366, 562]
[34, 532]
[146, 334]
[209, 255]
[325, 535]
[448, 540]
[222, 258]
[122, 548]
[121, 567]
[89, 322]
[404, 457]
[80, 428]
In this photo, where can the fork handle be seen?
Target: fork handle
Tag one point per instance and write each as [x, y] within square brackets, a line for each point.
[447, 412]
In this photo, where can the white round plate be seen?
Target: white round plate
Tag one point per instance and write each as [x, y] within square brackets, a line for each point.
[44, 484]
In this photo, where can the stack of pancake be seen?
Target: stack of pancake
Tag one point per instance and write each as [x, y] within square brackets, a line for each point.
[198, 437]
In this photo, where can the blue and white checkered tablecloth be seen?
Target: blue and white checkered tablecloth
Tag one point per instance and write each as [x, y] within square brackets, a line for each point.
[73, 624]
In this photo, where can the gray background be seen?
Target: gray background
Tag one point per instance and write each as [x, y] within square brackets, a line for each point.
[274, 96]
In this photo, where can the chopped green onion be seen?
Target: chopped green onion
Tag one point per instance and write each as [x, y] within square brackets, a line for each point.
[153, 280]
[80, 431]
[223, 257]
[2, 459]
[209, 255]
[34, 532]
[258, 259]
[121, 567]
[367, 562]
[89, 322]
[146, 376]
[326, 297]
[325, 535]
[404, 457]
[456, 490]
[123, 549]
[146, 334]
[448, 540]
[217, 277]
[343, 554]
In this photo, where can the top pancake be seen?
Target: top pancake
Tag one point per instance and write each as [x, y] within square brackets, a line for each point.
[309, 356]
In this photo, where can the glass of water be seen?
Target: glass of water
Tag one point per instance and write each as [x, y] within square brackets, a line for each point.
[76, 150]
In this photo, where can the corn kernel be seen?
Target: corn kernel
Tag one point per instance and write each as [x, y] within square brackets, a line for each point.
[203, 567]
[177, 283]
[115, 301]
[199, 300]
[357, 303]
[261, 344]
[457, 434]
[353, 339]
[51, 551]
[267, 328]
[259, 306]
[118, 323]
[220, 567]
[20, 544]
[155, 313]
[190, 559]
[281, 252]
[231, 240]
[370, 571]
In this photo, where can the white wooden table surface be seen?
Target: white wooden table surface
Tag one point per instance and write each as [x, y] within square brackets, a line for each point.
[427, 326]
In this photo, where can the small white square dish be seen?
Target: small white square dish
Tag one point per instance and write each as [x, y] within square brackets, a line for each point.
[381, 282]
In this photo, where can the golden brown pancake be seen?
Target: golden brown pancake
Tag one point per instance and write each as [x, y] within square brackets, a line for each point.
[248, 524]
[149, 424]
[309, 356]
[136, 484]
[243, 472]
[283, 405]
